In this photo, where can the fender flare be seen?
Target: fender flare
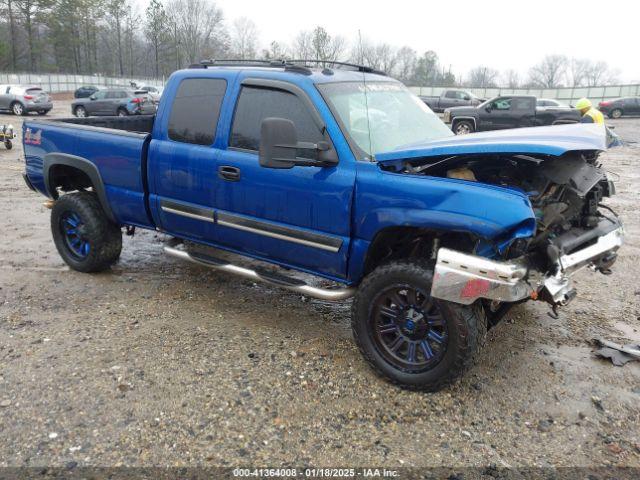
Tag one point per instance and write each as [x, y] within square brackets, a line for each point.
[462, 119]
[85, 166]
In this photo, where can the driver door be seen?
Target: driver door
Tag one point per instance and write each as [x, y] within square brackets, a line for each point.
[299, 216]
[496, 115]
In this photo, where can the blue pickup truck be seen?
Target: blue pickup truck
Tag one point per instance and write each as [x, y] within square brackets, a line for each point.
[339, 172]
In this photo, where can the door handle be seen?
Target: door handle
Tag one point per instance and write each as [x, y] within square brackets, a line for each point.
[231, 174]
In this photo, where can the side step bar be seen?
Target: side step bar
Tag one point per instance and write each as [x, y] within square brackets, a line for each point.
[268, 277]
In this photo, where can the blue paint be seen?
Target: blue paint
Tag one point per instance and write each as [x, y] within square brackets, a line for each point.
[353, 201]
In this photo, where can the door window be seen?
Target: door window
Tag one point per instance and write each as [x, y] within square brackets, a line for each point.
[502, 104]
[258, 103]
[521, 104]
[195, 110]
[99, 95]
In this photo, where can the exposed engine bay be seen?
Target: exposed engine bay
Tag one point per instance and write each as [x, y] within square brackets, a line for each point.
[565, 194]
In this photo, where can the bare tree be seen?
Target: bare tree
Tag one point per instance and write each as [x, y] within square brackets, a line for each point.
[154, 30]
[549, 72]
[30, 12]
[303, 45]
[275, 52]
[9, 11]
[482, 77]
[511, 79]
[199, 29]
[406, 64]
[244, 39]
[578, 70]
[598, 73]
[325, 47]
[381, 57]
[117, 10]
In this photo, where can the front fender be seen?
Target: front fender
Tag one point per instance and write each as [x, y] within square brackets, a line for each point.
[385, 199]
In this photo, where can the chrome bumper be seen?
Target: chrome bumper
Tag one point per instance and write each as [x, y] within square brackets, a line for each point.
[463, 278]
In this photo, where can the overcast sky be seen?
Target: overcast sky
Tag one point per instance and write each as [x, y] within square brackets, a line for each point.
[500, 34]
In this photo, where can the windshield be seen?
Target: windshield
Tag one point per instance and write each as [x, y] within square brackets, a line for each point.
[396, 117]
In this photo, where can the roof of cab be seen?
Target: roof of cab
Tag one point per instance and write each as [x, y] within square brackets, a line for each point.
[315, 75]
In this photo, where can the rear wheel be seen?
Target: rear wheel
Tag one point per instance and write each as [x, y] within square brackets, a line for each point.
[463, 127]
[413, 340]
[615, 113]
[85, 238]
[80, 112]
[122, 112]
[18, 109]
[42, 112]
[8, 144]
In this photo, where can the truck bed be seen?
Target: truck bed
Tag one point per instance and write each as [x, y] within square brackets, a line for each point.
[134, 123]
[116, 146]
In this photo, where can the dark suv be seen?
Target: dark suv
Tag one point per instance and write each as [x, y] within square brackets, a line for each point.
[121, 102]
[618, 107]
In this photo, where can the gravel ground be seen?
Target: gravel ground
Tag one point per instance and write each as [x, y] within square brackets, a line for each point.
[161, 363]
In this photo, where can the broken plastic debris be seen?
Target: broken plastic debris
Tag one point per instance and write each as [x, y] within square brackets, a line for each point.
[618, 354]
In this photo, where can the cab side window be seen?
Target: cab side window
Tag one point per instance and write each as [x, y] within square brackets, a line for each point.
[502, 104]
[258, 103]
[195, 110]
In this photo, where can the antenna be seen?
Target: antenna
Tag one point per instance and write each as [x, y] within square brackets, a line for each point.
[366, 100]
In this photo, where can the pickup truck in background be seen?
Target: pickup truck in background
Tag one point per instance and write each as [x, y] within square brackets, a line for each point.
[513, 111]
[341, 173]
[450, 98]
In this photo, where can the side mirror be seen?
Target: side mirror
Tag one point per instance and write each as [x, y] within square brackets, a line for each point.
[92, 97]
[279, 146]
[488, 108]
[467, 97]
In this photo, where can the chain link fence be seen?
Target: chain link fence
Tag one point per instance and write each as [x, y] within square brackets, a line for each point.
[568, 95]
[56, 82]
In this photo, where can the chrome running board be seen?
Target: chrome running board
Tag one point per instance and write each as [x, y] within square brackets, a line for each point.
[267, 277]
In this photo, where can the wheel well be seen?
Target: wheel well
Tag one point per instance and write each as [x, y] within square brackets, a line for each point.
[67, 178]
[456, 121]
[122, 109]
[395, 243]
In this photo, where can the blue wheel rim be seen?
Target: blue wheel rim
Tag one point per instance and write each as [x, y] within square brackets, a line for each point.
[72, 228]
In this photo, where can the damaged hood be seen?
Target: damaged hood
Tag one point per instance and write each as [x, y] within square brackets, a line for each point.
[554, 140]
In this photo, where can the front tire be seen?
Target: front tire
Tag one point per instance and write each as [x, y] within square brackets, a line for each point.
[409, 338]
[18, 109]
[85, 238]
[8, 144]
[615, 113]
[80, 112]
[122, 112]
[463, 127]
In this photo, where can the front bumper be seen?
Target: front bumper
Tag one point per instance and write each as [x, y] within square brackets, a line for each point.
[463, 278]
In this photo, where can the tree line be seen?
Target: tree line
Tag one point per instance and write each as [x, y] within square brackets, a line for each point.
[114, 37]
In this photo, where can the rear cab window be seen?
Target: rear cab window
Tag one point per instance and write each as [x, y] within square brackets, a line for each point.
[196, 109]
[257, 103]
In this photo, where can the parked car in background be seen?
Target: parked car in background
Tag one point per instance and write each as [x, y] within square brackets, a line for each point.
[550, 102]
[620, 106]
[512, 111]
[120, 102]
[85, 91]
[22, 99]
[154, 92]
[450, 98]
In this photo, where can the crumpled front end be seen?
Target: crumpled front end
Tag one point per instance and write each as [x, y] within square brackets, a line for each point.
[464, 278]
[573, 230]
